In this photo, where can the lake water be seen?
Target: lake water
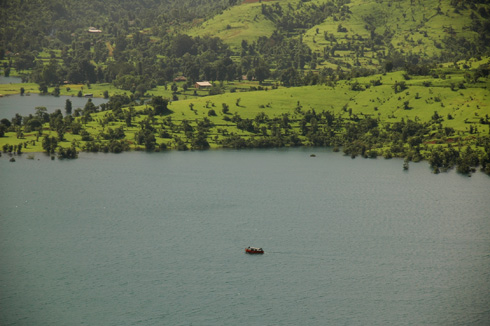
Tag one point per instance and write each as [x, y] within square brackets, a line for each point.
[10, 80]
[158, 239]
[25, 105]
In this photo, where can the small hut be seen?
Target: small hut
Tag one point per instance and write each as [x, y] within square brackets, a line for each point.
[203, 84]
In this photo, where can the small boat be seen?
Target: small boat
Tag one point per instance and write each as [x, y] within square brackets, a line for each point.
[254, 250]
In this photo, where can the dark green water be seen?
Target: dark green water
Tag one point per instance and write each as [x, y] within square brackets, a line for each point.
[158, 239]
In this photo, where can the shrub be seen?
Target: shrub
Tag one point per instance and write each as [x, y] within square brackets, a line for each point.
[226, 108]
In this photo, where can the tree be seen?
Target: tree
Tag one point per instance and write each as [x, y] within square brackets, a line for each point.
[5, 122]
[160, 105]
[145, 136]
[226, 108]
[128, 118]
[43, 88]
[174, 87]
[49, 74]
[388, 66]
[261, 73]
[69, 153]
[182, 44]
[75, 128]
[100, 52]
[56, 91]
[42, 113]
[290, 77]
[68, 106]
[89, 107]
[399, 86]
[150, 142]
[341, 29]
[86, 136]
[50, 144]
[32, 124]
[81, 70]
[24, 61]
[200, 141]
[17, 120]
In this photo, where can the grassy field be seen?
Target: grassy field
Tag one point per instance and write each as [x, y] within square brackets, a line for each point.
[467, 104]
[9, 89]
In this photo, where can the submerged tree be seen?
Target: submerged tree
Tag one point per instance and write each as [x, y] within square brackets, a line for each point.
[50, 144]
[68, 106]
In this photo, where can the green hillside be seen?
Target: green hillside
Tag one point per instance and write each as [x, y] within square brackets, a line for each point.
[143, 44]
[420, 28]
[360, 33]
[373, 78]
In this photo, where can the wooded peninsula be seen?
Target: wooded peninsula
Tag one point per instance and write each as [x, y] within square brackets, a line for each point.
[385, 78]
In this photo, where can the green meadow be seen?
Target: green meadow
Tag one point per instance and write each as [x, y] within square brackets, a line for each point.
[459, 108]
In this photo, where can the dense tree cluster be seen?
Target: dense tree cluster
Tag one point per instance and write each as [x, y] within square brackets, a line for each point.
[303, 15]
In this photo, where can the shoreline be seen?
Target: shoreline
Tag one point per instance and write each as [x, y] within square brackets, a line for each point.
[33, 156]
